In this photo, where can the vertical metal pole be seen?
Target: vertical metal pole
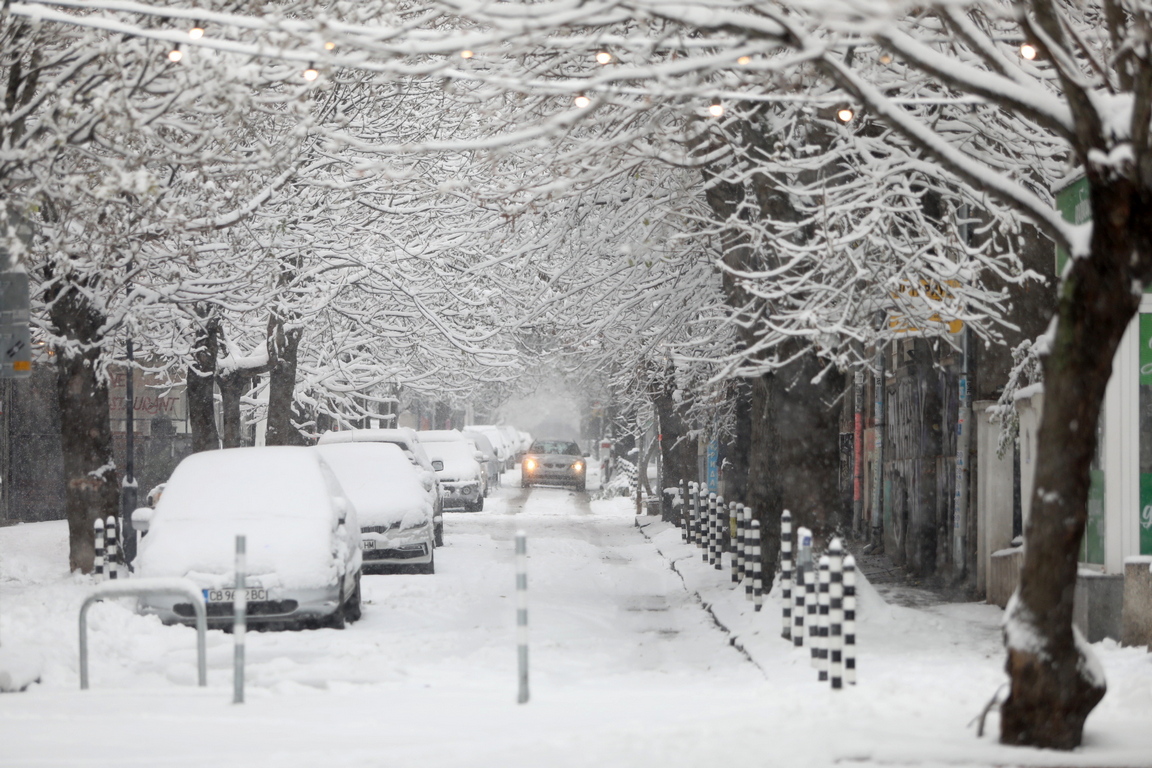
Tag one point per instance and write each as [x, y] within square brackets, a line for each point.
[240, 621]
[522, 614]
[757, 568]
[801, 588]
[836, 612]
[822, 635]
[98, 561]
[734, 542]
[878, 454]
[858, 454]
[963, 441]
[812, 601]
[738, 560]
[850, 620]
[719, 520]
[110, 547]
[786, 573]
[128, 490]
[684, 510]
[709, 550]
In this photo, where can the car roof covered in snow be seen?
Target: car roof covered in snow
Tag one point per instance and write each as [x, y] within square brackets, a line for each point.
[381, 483]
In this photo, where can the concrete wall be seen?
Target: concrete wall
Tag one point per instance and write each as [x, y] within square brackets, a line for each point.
[993, 497]
[1004, 575]
[1136, 622]
[1099, 603]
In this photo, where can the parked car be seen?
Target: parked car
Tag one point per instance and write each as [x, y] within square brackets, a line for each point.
[504, 450]
[491, 461]
[429, 438]
[395, 513]
[460, 474]
[413, 449]
[554, 462]
[302, 538]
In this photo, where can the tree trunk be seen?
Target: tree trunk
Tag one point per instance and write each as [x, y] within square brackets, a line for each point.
[85, 433]
[233, 385]
[1055, 683]
[201, 387]
[677, 447]
[283, 345]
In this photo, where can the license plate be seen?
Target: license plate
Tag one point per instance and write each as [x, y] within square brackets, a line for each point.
[366, 544]
[229, 595]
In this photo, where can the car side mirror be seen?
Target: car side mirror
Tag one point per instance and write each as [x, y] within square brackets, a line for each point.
[141, 518]
[438, 465]
[479, 455]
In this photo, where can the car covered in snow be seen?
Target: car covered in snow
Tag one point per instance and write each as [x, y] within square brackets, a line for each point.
[554, 462]
[302, 538]
[394, 511]
[406, 439]
[461, 475]
[491, 463]
[504, 450]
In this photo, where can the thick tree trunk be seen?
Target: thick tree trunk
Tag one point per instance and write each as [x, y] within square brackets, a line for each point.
[201, 389]
[233, 385]
[677, 447]
[1055, 682]
[85, 434]
[283, 346]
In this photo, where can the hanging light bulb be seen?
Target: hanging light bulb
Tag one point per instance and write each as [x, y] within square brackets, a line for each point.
[329, 45]
[175, 54]
[581, 101]
[603, 57]
[744, 61]
[466, 54]
[311, 73]
[716, 109]
[845, 115]
[196, 32]
[1029, 51]
[885, 58]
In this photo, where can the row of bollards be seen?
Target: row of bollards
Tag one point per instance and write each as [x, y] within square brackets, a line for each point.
[718, 529]
[823, 599]
[107, 562]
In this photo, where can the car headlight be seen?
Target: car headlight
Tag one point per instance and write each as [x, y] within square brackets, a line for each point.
[529, 465]
[578, 466]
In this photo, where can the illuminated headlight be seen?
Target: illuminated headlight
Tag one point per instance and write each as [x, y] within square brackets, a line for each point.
[577, 466]
[529, 465]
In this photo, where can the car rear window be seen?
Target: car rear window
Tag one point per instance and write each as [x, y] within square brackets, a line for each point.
[556, 447]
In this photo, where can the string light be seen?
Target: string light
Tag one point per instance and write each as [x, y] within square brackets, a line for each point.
[716, 109]
[1028, 51]
[329, 45]
[885, 58]
[845, 115]
[175, 54]
[196, 32]
[744, 61]
[311, 73]
[466, 54]
[581, 101]
[603, 57]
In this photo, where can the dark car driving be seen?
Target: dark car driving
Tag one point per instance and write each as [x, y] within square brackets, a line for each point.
[554, 462]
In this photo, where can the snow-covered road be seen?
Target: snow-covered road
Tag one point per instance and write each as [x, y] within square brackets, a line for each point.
[628, 668]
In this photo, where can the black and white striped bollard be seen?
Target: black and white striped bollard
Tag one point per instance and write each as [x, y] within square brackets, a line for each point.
[684, 510]
[822, 633]
[697, 517]
[720, 521]
[757, 568]
[740, 544]
[709, 555]
[786, 573]
[522, 615]
[239, 619]
[836, 613]
[800, 588]
[98, 560]
[748, 553]
[111, 548]
[735, 540]
[850, 620]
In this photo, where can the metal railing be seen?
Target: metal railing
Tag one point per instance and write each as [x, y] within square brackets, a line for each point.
[142, 588]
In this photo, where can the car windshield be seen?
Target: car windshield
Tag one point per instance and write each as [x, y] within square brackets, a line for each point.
[556, 447]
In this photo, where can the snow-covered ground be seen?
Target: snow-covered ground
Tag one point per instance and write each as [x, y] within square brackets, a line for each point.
[641, 656]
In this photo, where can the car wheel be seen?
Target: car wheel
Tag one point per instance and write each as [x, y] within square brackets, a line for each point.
[352, 610]
[428, 567]
[479, 505]
[438, 541]
[525, 484]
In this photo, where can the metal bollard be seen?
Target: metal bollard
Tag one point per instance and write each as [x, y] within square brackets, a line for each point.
[98, 561]
[111, 548]
[740, 544]
[836, 613]
[709, 555]
[719, 521]
[734, 540]
[240, 620]
[747, 553]
[811, 601]
[522, 614]
[757, 568]
[683, 510]
[800, 588]
[822, 634]
[850, 620]
[695, 514]
[786, 573]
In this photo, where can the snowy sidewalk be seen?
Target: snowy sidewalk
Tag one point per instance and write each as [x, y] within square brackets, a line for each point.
[924, 675]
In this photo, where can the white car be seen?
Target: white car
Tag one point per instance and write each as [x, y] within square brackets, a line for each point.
[406, 439]
[393, 508]
[302, 538]
[461, 475]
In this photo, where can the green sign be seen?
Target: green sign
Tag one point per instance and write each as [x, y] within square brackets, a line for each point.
[1075, 206]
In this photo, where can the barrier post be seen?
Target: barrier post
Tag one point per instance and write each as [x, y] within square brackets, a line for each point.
[822, 634]
[522, 615]
[98, 560]
[786, 573]
[111, 548]
[709, 555]
[683, 509]
[719, 521]
[748, 553]
[836, 613]
[800, 588]
[734, 540]
[240, 620]
[850, 620]
[757, 568]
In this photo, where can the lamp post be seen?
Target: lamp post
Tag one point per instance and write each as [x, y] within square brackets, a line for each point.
[128, 490]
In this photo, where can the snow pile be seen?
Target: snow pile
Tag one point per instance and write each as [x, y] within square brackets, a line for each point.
[459, 463]
[381, 483]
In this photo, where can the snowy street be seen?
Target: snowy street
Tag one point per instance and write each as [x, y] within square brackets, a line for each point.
[628, 667]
